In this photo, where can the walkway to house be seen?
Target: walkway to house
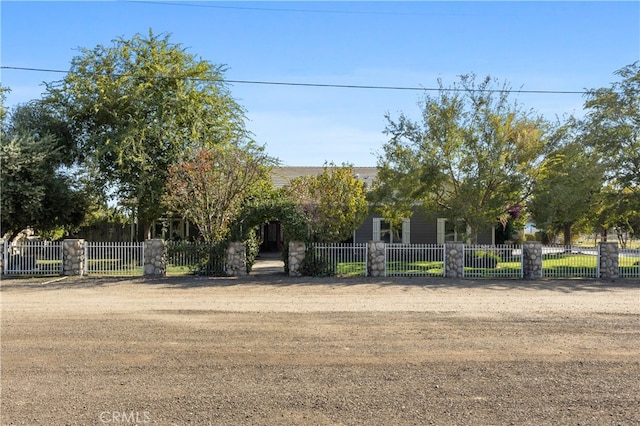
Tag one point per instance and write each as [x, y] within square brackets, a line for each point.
[268, 263]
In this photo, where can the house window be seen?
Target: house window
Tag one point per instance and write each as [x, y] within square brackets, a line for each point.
[450, 230]
[385, 232]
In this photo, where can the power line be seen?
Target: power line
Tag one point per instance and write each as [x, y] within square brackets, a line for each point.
[341, 86]
[281, 9]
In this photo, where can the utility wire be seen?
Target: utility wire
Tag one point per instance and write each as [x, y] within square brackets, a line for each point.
[281, 9]
[340, 86]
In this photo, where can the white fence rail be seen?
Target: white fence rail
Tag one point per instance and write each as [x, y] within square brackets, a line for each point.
[570, 262]
[416, 260]
[32, 258]
[114, 258]
[337, 259]
[197, 258]
[503, 261]
[498, 261]
[629, 263]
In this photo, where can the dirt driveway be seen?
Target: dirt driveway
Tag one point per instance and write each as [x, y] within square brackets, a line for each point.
[297, 351]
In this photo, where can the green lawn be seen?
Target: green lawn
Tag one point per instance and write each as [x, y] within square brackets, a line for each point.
[351, 269]
[503, 269]
[569, 265]
[425, 268]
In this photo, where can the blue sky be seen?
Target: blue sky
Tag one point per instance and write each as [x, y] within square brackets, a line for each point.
[551, 46]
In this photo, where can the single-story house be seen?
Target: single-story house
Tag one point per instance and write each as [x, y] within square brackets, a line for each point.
[415, 230]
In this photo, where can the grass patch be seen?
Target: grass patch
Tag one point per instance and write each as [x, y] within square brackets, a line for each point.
[569, 265]
[433, 268]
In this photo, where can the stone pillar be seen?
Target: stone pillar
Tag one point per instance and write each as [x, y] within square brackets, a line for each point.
[296, 257]
[155, 264]
[454, 260]
[532, 260]
[73, 257]
[608, 261]
[236, 259]
[376, 262]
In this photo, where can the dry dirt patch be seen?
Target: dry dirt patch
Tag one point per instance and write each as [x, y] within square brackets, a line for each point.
[319, 351]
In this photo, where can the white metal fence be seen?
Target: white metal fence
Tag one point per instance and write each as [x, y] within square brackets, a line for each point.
[32, 258]
[570, 262]
[504, 261]
[336, 259]
[197, 258]
[498, 261]
[629, 263]
[114, 258]
[418, 260]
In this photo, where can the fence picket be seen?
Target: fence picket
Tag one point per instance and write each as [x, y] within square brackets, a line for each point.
[629, 263]
[337, 259]
[199, 258]
[425, 260]
[32, 258]
[570, 262]
[493, 261]
[503, 261]
[107, 258]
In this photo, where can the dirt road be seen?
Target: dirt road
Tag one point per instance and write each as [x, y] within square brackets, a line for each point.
[298, 351]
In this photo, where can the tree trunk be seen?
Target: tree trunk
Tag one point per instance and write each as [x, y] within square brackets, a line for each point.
[603, 234]
[144, 230]
[567, 235]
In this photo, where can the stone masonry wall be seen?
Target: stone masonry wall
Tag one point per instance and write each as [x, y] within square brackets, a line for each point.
[609, 261]
[73, 252]
[376, 259]
[236, 260]
[532, 260]
[454, 260]
[296, 256]
[154, 258]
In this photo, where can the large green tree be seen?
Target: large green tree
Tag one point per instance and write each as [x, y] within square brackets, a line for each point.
[139, 106]
[473, 156]
[333, 202]
[211, 188]
[617, 210]
[566, 192]
[612, 130]
[37, 190]
[612, 127]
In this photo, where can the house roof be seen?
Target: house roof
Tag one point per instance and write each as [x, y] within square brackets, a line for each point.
[282, 175]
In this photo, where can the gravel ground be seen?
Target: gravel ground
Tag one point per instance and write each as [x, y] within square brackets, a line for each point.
[271, 350]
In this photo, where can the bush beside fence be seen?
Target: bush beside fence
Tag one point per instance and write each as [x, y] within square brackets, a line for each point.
[195, 258]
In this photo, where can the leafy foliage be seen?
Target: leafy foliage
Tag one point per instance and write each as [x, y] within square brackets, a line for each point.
[618, 210]
[612, 130]
[474, 155]
[315, 265]
[612, 127]
[211, 188]
[138, 107]
[565, 193]
[271, 207]
[35, 194]
[37, 191]
[334, 202]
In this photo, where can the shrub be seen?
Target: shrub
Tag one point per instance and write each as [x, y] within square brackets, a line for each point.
[252, 248]
[482, 259]
[316, 266]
